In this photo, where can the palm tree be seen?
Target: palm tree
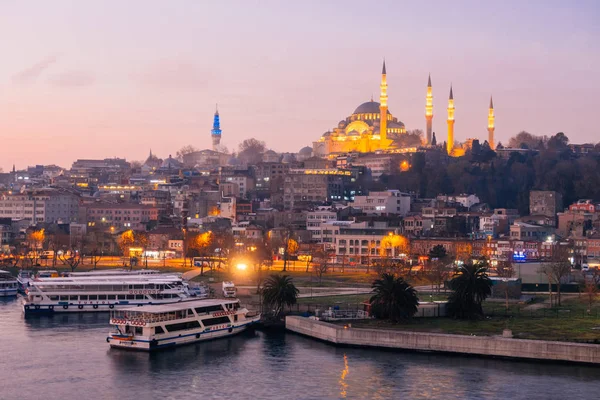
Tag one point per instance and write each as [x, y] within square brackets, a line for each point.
[470, 287]
[394, 298]
[279, 291]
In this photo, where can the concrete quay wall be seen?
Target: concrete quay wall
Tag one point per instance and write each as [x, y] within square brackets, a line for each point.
[461, 344]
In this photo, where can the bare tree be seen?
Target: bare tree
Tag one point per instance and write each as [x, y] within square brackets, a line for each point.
[72, 258]
[185, 150]
[556, 269]
[505, 270]
[251, 151]
[321, 262]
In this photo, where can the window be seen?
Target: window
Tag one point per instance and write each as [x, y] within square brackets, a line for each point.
[111, 297]
[140, 297]
[102, 297]
[159, 329]
[64, 298]
[93, 297]
[183, 326]
[73, 297]
[215, 321]
[130, 297]
[121, 297]
[83, 297]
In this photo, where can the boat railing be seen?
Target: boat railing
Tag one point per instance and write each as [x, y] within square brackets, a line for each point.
[148, 319]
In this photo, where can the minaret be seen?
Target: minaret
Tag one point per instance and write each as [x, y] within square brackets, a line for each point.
[450, 141]
[215, 133]
[491, 126]
[383, 109]
[429, 110]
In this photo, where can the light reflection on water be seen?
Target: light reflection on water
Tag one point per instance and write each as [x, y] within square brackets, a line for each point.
[66, 356]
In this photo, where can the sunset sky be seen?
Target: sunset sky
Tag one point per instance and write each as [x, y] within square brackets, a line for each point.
[83, 79]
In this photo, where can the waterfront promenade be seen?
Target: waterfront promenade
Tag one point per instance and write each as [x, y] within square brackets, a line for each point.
[489, 346]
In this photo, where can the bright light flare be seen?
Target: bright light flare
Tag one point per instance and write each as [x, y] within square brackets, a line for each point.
[241, 266]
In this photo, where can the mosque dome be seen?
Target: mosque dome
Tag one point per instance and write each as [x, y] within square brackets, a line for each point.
[327, 134]
[342, 124]
[353, 133]
[306, 151]
[370, 107]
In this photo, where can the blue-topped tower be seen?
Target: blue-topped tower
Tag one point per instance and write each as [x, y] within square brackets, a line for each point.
[215, 133]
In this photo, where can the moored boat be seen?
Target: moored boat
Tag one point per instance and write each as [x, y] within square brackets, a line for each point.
[93, 294]
[24, 277]
[155, 327]
[8, 284]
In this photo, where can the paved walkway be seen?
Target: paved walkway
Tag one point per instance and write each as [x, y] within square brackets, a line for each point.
[191, 274]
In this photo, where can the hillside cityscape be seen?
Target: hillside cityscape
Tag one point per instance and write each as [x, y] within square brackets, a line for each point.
[299, 200]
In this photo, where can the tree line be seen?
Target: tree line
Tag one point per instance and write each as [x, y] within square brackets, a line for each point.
[505, 182]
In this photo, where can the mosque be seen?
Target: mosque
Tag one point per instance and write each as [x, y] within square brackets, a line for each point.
[373, 128]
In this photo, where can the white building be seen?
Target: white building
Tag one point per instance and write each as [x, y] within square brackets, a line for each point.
[316, 217]
[244, 183]
[382, 203]
[45, 206]
[465, 200]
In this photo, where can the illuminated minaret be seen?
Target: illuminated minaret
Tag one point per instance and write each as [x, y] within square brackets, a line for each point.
[215, 133]
[491, 126]
[429, 110]
[383, 108]
[450, 141]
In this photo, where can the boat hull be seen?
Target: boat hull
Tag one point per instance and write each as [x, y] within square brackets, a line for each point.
[8, 292]
[44, 309]
[178, 340]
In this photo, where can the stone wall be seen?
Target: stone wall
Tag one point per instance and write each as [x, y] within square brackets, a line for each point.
[420, 341]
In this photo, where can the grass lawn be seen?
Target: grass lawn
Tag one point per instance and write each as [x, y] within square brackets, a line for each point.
[335, 300]
[552, 324]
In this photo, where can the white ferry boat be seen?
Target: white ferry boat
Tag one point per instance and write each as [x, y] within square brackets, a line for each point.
[8, 284]
[112, 272]
[91, 294]
[155, 327]
[24, 277]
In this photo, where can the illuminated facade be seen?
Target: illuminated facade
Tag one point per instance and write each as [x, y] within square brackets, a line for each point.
[215, 133]
[429, 111]
[371, 127]
[450, 140]
[491, 126]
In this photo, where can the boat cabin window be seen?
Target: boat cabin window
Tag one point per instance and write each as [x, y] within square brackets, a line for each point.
[215, 321]
[208, 309]
[71, 297]
[53, 298]
[139, 297]
[64, 298]
[159, 329]
[190, 312]
[93, 297]
[83, 297]
[138, 330]
[111, 296]
[182, 326]
[130, 297]
[102, 297]
[121, 297]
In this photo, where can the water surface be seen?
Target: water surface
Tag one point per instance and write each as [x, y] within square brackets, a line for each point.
[67, 357]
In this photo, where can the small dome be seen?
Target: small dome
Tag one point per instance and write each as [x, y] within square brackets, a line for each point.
[353, 133]
[327, 134]
[342, 124]
[370, 107]
[270, 153]
[397, 124]
[305, 151]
